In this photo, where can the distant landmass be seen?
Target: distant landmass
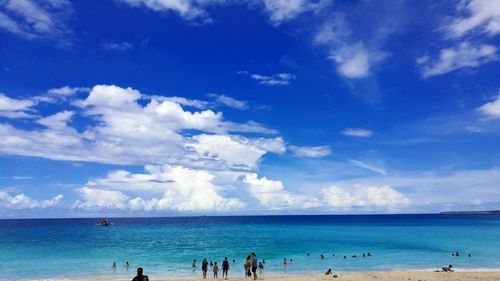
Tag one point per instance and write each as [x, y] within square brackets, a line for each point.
[493, 212]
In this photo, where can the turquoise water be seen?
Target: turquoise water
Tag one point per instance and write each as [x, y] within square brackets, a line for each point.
[166, 247]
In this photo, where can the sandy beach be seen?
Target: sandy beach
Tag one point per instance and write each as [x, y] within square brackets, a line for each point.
[351, 276]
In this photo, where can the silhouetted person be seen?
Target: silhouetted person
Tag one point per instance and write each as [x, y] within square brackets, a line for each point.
[447, 269]
[255, 264]
[284, 261]
[261, 266]
[204, 268]
[127, 265]
[225, 268]
[139, 276]
[328, 272]
[470, 256]
[345, 257]
[114, 266]
[194, 263]
[321, 256]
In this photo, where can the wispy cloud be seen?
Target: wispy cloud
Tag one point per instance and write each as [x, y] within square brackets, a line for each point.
[15, 108]
[229, 101]
[465, 55]
[476, 15]
[36, 19]
[369, 167]
[491, 109]
[357, 132]
[122, 47]
[310, 151]
[272, 80]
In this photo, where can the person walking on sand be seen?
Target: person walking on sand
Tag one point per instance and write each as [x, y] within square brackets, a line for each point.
[139, 276]
[215, 268]
[225, 267]
[255, 264]
[204, 268]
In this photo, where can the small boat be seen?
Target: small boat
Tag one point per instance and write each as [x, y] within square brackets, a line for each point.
[104, 222]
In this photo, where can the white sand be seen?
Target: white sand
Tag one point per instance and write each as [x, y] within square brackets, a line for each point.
[354, 276]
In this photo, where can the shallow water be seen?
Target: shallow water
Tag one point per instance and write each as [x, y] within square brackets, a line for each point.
[167, 246]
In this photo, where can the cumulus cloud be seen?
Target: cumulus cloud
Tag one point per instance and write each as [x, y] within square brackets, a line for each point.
[465, 55]
[310, 151]
[273, 196]
[15, 108]
[491, 109]
[21, 201]
[125, 131]
[182, 189]
[272, 80]
[236, 151]
[480, 15]
[356, 132]
[35, 19]
[364, 196]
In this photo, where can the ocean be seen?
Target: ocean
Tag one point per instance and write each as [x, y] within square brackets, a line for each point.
[166, 247]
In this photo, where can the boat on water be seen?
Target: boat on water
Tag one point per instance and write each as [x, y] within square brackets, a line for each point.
[104, 222]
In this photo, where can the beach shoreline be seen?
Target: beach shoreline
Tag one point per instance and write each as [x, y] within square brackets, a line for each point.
[406, 275]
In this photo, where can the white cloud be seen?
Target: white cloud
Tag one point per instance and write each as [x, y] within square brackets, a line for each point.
[35, 19]
[123, 130]
[67, 91]
[352, 58]
[491, 109]
[21, 201]
[187, 9]
[14, 108]
[229, 101]
[369, 167]
[364, 196]
[182, 189]
[236, 151]
[273, 196]
[465, 55]
[356, 132]
[272, 80]
[101, 199]
[123, 46]
[482, 15]
[310, 151]
[56, 121]
[282, 10]
[277, 10]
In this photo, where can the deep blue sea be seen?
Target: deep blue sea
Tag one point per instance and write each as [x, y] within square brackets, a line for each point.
[166, 247]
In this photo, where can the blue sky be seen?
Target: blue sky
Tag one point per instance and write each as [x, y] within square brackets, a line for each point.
[185, 107]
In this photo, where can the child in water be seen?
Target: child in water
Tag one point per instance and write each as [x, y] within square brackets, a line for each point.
[216, 270]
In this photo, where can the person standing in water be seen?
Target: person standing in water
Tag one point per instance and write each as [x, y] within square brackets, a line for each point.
[204, 268]
[225, 267]
[255, 264]
[248, 266]
[194, 263]
[114, 266]
[215, 268]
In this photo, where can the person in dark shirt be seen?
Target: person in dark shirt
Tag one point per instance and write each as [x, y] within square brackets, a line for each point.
[225, 268]
[204, 268]
[139, 276]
